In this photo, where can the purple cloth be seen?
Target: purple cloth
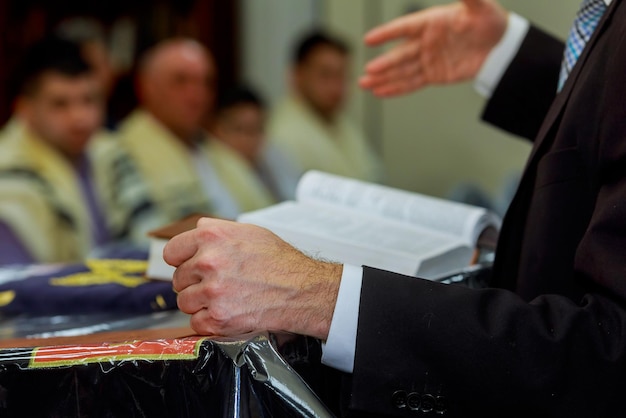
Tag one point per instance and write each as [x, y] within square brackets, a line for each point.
[109, 289]
[12, 251]
[99, 229]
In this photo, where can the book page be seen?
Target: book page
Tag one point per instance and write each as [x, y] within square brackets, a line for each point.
[341, 235]
[460, 220]
[157, 267]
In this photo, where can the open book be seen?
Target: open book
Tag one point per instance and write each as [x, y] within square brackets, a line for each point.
[354, 222]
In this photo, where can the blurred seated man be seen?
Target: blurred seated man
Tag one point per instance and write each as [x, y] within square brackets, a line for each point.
[239, 122]
[11, 127]
[309, 124]
[55, 187]
[185, 171]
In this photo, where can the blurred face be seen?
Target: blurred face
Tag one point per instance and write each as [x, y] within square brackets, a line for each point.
[242, 127]
[64, 111]
[178, 87]
[322, 79]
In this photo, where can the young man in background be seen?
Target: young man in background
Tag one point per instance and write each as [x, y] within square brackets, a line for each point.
[56, 181]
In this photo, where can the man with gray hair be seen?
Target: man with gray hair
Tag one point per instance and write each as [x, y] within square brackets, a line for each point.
[185, 171]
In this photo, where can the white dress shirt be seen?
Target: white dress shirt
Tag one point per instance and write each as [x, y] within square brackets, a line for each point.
[339, 349]
[500, 58]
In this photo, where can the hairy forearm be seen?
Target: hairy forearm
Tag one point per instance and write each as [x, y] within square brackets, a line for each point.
[314, 300]
[236, 278]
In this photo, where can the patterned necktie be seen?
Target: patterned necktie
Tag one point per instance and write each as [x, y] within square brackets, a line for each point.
[586, 22]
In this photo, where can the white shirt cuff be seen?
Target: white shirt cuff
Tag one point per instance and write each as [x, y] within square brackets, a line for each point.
[501, 56]
[339, 349]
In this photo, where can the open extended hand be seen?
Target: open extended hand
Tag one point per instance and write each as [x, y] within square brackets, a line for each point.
[440, 45]
[237, 278]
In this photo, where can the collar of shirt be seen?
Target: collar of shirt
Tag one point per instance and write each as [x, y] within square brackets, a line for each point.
[608, 2]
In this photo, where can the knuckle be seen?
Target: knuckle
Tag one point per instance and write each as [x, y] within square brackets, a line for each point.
[176, 285]
[183, 303]
[201, 325]
[204, 264]
[212, 261]
[205, 234]
[213, 290]
[219, 315]
[210, 290]
[203, 221]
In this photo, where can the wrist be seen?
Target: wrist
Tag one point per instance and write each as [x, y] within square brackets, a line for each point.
[500, 57]
[317, 297]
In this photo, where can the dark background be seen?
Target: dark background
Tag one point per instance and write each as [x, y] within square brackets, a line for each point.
[212, 22]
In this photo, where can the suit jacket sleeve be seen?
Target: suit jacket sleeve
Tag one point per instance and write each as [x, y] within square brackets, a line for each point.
[424, 346]
[528, 87]
[557, 346]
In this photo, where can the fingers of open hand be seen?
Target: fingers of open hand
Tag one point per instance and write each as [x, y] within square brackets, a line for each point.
[407, 71]
[474, 4]
[398, 56]
[399, 86]
[402, 27]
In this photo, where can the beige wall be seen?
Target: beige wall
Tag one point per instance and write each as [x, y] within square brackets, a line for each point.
[432, 140]
[268, 30]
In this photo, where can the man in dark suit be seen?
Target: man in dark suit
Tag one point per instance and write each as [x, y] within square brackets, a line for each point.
[548, 338]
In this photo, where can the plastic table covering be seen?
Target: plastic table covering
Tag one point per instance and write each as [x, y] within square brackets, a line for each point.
[188, 377]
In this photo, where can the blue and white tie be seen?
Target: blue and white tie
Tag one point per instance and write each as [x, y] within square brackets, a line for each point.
[586, 22]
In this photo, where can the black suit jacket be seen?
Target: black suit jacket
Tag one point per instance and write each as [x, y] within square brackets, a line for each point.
[549, 339]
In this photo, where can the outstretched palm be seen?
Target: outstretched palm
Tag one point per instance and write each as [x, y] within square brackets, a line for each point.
[439, 45]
